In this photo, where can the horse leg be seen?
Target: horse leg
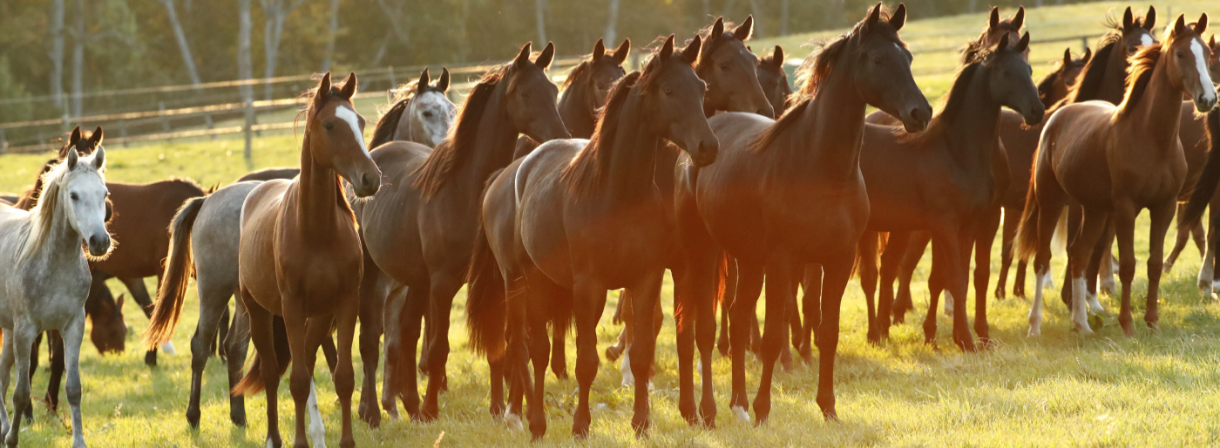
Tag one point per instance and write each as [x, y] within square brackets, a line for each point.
[139, 292]
[55, 345]
[916, 247]
[795, 326]
[410, 324]
[936, 285]
[724, 345]
[304, 355]
[891, 259]
[836, 277]
[1008, 235]
[541, 308]
[34, 349]
[372, 302]
[1124, 224]
[624, 339]
[694, 277]
[1198, 235]
[1162, 217]
[1207, 269]
[1180, 239]
[344, 373]
[444, 286]
[330, 352]
[589, 300]
[396, 302]
[867, 249]
[1051, 201]
[749, 286]
[1074, 223]
[237, 342]
[262, 335]
[812, 305]
[645, 296]
[779, 274]
[622, 313]
[982, 271]
[949, 247]
[23, 338]
[516, 350]
[704, 303]
[559, 358]
[7, 354]
[213, 302]
[73, 333]
[1106, 273]
[1091, 231]
[218, 345]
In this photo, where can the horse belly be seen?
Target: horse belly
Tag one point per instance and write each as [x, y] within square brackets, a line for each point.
[256, 257]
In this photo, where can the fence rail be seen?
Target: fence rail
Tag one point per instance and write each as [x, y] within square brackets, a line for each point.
[158, 124]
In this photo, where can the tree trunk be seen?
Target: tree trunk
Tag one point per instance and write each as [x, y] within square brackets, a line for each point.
[611, 34]
[783, 18]
[756, 9]
[78, 61]
[184, 47]
[245, 66]
[329, 55]
[540, 20]
[56, 30]
[274, 11]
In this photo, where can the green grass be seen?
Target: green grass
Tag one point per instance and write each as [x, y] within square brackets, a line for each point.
[1058, 389]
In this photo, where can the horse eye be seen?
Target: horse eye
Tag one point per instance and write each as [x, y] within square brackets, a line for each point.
[724, 66]
[328, 126]
[669, 91]
[428, 114]
[73, 196]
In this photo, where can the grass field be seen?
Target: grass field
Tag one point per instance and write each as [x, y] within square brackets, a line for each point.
[1059, 389]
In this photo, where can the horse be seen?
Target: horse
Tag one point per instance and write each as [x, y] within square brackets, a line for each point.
[1203, 196]
[420, 112]
[48, 277]
[742, 204]
[1113, 161]
[579, 217]
[418, 229]
[290, 232]
[1059, 82]
[774, 80]
[943, 181]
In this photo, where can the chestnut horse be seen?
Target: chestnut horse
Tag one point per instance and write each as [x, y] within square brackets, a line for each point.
[579, 217]
[418, 229]
[292, 231]
[810, 156]
[943, 180]
[1114, 161]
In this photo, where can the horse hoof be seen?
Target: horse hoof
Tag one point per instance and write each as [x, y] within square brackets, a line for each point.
[742, 414]
[830, 415]
[513, 421]
[1154, 327]
[168, 348]
[238, 420]
[150, 358]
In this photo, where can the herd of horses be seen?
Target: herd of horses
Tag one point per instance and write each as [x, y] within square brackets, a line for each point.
[540, 204]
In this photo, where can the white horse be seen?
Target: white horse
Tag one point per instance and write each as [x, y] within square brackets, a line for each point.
[419, 112]
[46, 277]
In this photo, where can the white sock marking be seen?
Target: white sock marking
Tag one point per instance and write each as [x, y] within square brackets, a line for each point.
[317, 432]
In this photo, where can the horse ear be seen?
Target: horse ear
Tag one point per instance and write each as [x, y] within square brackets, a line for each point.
[323, 88]
[1003, 45]
[667, 49]
[899, 18]
[424, 79]
[547, 55]
[743, 31]
[524, 55]
[1128, 19]
[75, 137]
[1088, 54]
[1067, 56]
[1023, 44]
[691, 53]
[1201, 25]
[99, 158]
[1150, 18]
[1018, 19]
[778, 56]
[443, 83]
[118, 302]
[717, 29]
[599, 49]
[350, 86]
[96, 137]
[994, 21]
[73, 157]
[623, 50]
[1212, 42]
[1179, 26]
[873, 17]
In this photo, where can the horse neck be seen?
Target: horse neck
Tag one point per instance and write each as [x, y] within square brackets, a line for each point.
[971, 134]
[630, 173]
[319, 193]
[574, 111]
[62, 243]
[1159, 110]
[1114, 84]
[832, 125]
[405, 129]
[493, 145]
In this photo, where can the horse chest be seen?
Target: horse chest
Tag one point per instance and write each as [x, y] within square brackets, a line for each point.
[49, 302]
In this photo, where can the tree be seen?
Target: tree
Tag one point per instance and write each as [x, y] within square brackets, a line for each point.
[611, 33]
[274, 13]
[540, 19]
[329, 55]
[245, 66]
[56, 30]
[184, 47]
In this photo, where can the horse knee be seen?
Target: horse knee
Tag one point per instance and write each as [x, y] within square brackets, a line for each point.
[73, 390]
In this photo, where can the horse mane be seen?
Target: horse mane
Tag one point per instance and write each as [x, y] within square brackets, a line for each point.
[1093, 73]
[974, 47]
[451, 153]
[814, 70]
[1047, 83]
[576, 73]
[1138, 76]
[950, 104]
[388, 123]
[588, 168]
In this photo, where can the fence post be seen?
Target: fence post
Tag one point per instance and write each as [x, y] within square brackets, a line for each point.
[123, 132]
[164, 120]
[1084, 43]
[249, 128]
[3, 142]
[393, 80]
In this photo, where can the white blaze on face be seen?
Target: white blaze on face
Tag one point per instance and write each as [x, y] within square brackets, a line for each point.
[1146, 40]
[1205, 80]
[347, 114]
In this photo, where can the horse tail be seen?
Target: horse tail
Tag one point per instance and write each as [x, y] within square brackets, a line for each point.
[882, 239]
[252, 382]
[178, 269]
[1205, 188]
[486, 307]
[1027, 231]
[384, 132]
[722, 280]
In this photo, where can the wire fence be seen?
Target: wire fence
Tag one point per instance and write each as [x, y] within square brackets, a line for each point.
[191, 111]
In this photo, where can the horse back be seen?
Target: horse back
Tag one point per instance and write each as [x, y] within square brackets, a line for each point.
[1074, 148]
[142, 213]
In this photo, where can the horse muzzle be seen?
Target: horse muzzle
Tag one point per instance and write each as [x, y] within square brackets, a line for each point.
[916, 119]
[366, 184]
[99, 245]
[1204, 102]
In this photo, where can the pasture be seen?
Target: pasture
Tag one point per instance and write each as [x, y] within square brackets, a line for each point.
[1057, 389]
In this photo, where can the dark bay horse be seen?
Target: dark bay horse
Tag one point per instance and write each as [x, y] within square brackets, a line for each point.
[774, 80]
[293, 231]
[579, 217]
[1115, 161]
[943, 181]
[810, 156]
[419, 228]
